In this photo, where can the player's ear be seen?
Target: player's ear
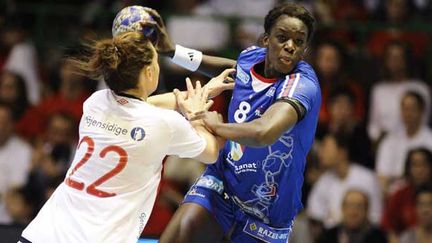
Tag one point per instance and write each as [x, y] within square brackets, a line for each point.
[264, 40]
[145, 73]
[305, 53]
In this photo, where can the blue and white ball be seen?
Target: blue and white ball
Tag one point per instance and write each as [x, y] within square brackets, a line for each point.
[129, 19]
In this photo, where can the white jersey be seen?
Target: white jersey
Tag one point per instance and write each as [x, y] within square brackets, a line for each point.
[111, 186]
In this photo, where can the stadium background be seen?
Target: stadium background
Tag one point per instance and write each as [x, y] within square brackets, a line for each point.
[349, 52]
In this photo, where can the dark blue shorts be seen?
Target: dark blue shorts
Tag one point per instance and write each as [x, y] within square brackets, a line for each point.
[208, 191]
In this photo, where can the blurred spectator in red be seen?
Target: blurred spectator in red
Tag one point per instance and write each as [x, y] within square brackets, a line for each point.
[386, 93]
[422, 233]
[13, 92]
[399, 212]
[340, 109]
[68, 99]
[328, 192]
[15, 158]
[394, 148]
[22, 55]
[398, 13]
[329, 11]
[355, 226]
[330, 68]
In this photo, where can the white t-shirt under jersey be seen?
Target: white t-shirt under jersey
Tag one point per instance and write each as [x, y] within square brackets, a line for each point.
[111, 186]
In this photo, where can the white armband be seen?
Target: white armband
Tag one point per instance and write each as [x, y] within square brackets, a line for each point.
[187, 58]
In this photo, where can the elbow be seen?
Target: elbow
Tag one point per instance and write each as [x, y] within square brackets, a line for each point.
[263, 137]
[210, 159]
[212, 155]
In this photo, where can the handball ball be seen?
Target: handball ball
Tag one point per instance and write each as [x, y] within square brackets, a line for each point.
[129, 19]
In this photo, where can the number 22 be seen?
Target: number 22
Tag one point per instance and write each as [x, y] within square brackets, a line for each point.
[91, 189]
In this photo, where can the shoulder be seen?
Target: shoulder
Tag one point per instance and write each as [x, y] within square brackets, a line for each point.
[253, 54]
[391, 138]
[16, 142]
[362, 171]
[306, 70]
[306, 76]
[97, 97]
[326, 179]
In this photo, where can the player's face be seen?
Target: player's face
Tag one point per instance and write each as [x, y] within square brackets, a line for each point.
[286, 45]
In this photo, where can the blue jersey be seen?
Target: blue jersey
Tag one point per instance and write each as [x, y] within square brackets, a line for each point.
[266, 182]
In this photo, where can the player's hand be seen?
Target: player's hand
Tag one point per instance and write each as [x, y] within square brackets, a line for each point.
[221, 83]
[164, 44]
[194, 102]
[212, 119]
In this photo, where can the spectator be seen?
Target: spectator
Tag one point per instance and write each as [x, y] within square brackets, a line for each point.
[385, 113]
[393, 150]
[355, 226]
[184, 29]
[15, 158]
[422, 233]
[340, 109]
[68, 99]
[22, 58]
[327, 194]
[19, 205]
[397, 14]
[399, 212]
[329, 65]
[52, 154]
[13, 92]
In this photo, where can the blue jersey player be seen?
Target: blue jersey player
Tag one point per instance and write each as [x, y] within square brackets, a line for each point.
[253, 192]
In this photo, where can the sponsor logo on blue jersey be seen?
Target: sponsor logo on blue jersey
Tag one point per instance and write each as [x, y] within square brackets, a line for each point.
[241, 75]
[210, 182]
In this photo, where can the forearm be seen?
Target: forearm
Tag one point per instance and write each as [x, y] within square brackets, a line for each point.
[212, 66]
[211, 151]
[260, 132]
[166, 101]
[250, 134]
[194, 60]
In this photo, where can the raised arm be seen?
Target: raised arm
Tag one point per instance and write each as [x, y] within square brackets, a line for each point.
[215, 86]
[190, 59]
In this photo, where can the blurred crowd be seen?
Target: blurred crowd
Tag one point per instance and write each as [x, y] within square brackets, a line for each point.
[368, 177]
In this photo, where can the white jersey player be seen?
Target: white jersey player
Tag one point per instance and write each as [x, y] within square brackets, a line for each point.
[111, 186]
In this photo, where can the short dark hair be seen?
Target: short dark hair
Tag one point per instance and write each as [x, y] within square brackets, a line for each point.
[342, 90]
[341, 138]
[357, 190]
[292, 10]
[425, 188]
[420, 100]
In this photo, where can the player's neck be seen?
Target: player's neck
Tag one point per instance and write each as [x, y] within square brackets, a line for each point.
[342, 169]
[266, 71]
[135, 93]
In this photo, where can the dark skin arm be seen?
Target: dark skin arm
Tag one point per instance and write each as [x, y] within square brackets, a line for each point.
[211, 66]
[260, 132]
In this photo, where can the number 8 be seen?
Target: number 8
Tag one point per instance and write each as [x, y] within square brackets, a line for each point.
[240, 114]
